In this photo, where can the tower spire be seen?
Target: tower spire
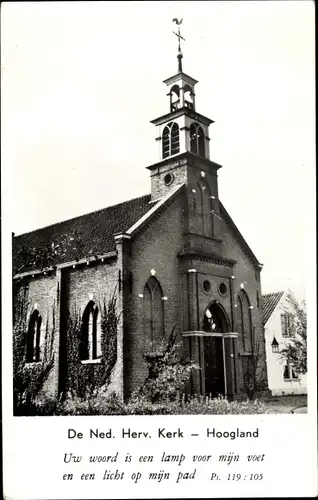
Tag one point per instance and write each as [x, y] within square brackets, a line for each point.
[178, 35]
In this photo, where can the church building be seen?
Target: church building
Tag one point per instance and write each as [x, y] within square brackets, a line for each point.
[172, 259]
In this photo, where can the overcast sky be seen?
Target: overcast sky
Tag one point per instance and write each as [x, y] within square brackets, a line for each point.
[81, 82]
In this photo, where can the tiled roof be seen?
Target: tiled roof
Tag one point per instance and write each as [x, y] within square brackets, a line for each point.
[93, 233]
[269, 302]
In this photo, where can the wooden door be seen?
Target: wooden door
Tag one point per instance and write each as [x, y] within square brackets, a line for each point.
[214, 366]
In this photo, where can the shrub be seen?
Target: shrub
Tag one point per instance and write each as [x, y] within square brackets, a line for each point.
[196, 405]
[205, 405]
[101, 404]
[254, 372]
[294, 351]
[43, 406]
[98, 404]
[140, 405]
[167, 373]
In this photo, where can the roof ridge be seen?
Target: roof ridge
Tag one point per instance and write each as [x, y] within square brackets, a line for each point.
[82, 215]
[157, 206]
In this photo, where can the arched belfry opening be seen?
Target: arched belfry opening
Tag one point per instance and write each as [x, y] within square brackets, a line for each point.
[174, 98]
[188, 97]
[197, 141]
[170, 140]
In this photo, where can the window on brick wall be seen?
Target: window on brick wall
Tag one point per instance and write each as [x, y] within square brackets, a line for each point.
[90, 346]
[153, 311]
[33, 353]
[244, 320]
[287, 325]
[203, 208]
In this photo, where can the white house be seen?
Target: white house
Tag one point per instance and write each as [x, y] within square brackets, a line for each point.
[282, 379]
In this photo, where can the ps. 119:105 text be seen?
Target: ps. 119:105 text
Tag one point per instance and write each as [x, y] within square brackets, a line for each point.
[238, 477]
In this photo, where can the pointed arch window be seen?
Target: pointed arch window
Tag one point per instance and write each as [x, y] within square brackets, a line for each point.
[33, 351]
[170, 140]
[214, 319]
[90, 345]
[197, 141]
[153, 310]
[203, 207]
[244, 320]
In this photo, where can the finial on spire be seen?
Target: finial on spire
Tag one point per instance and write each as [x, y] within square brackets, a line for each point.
[178, 35]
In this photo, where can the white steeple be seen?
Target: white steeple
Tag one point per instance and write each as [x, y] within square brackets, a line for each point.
[182, 129]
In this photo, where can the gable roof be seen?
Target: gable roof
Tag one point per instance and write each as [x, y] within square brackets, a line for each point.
[269, 303]
[225, 215]
[94, 233]
[155, 208]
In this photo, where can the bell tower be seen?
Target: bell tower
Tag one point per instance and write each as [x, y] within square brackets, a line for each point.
[183, 141]
[182, 129]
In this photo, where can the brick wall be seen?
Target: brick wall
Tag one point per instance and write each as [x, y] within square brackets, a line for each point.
[156, 247]
[97, 282]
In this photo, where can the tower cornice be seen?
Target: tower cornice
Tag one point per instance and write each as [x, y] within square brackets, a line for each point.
[186, 158]
[180, 76]
[182, 111]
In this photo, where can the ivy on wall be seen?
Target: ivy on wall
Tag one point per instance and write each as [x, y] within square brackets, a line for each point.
[83, 380]
[29, 378]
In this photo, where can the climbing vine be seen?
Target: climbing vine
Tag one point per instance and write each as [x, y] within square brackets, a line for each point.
[83, 380]
[20, 307]
[29, 378]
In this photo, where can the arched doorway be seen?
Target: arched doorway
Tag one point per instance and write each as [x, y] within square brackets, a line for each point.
[215, 324]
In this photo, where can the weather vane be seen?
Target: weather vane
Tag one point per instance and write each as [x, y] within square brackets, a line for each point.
[178, 35]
